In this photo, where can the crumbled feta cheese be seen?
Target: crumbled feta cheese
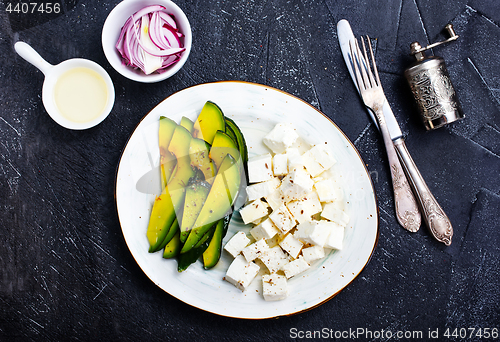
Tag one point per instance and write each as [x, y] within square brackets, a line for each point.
[313, 253]
[255, 250]
[336, 238]
[274, 287]
[328, 191]
[241, 272]
[313, 232]
[318, 159]
[265, 230]
[262, 189]
[253, 211]
[296, 185]
[304, 208]
[332, 211]
[282, 218]
[295, 267]
[274, 259]
[236, 244]
[280, 164]
[291, 245]
[260, 168]
[281, 137]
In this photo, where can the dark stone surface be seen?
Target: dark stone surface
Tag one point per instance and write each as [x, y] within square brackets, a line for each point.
[66, 272]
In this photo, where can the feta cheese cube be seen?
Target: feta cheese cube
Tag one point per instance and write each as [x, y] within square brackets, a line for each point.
[282, 218]
[265, 230]
[241, 272]
[328, 191]
[274, 259]
[332, 211]
[255, 250]
[294, 158]
[295, 267]
[254, 211]
[280, 164]
[301, 145]
[318, 179]
[274, 287]
[336, 237]
[260, 168]
[259, 220]
[313, 253]
[281, 137]
[275, 199]
[236, 244]
[274, 241]
[318, 159]
[291, 245]
[296, 185]
[303, 209]
[313, 232]
[262, 189]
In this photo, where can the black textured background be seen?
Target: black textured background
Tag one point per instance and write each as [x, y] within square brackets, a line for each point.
[65, 271]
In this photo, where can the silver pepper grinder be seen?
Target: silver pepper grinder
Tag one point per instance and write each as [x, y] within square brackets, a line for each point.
[431, 85]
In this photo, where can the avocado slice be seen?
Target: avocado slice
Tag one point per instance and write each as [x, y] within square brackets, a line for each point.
[229, 131]
[199, 154]
[213, 252]
[179, 147]
[159, 221]
[167, 159]
[187, 124]
[231, 126]
[170, 201]
[223, 145]
[238, 137]
[221, 197]
[174, 227]
[196, 194]
[173, 247]
[209, 121]
[186, 259]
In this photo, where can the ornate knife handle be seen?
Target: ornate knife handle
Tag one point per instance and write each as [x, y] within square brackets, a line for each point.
[439, 224]
[407, 212]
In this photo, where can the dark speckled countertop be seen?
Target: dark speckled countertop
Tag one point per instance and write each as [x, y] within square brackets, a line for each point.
[65, 270]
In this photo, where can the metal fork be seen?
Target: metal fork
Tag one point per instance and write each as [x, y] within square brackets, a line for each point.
[371, 91]
[373, 96]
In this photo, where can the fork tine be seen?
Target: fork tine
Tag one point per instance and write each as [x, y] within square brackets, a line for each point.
[364, 66]
[370, 74]
[373, 60]
[359, 79]
[359, 65]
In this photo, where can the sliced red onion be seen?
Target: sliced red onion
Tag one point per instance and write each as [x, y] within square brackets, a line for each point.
[168, 19]
[163, 33]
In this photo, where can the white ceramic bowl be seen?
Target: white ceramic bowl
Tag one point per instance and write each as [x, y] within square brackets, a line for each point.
[111, 32]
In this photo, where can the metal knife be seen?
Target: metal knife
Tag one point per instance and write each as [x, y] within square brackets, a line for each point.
[434, 216]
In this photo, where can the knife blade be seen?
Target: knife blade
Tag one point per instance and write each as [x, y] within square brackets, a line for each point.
[434, 216]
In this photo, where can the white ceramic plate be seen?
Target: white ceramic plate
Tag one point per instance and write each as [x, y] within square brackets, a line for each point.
[256, 109]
